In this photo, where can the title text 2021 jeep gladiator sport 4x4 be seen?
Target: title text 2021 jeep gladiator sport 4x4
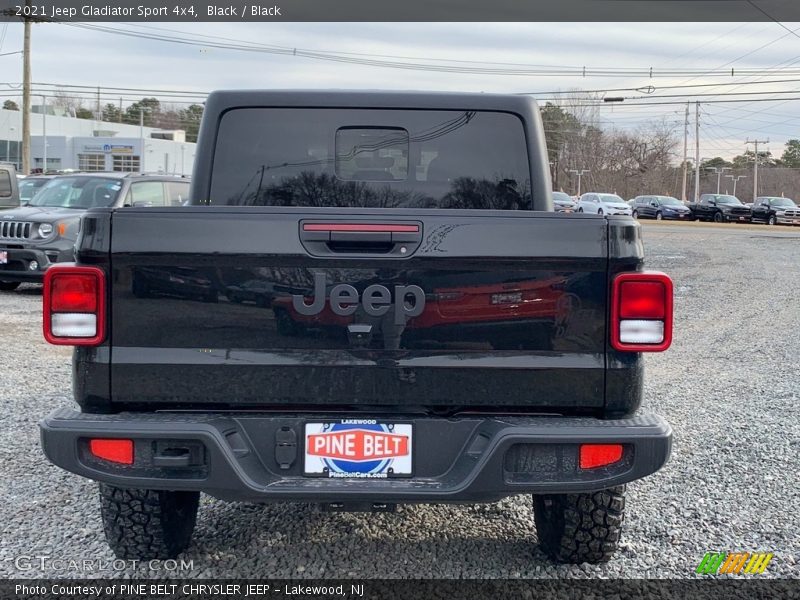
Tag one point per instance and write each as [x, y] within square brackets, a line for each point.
[430, 330]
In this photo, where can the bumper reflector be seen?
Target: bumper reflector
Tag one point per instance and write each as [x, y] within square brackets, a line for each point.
[118, 451]
[80, 325]
[599, 455]
[640, 331]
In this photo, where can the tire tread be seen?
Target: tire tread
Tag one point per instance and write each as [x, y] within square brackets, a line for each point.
[580, 528]
[147, 524]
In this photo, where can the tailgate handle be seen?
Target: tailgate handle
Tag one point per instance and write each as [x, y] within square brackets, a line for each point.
[386, 239]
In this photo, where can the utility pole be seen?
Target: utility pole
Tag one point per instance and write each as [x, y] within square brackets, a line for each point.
[685, 151]
[755, 165]
[44, 134]
[580, 173]
[141, 139]
[697, 151]
[735, 179]
[718, 171]
[26, 98]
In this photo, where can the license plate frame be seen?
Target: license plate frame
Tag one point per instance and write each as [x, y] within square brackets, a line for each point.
[379, 449]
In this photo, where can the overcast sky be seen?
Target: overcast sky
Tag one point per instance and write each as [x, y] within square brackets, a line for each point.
[70, 55]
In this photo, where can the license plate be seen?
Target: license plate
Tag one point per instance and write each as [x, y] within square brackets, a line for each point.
[509, 298]
[741, 218]
[359, 449]
[3, 257]
[796, 221]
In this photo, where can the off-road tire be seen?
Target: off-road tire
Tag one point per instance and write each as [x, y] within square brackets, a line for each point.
[580, 528]
[147, 524]
[8, 286]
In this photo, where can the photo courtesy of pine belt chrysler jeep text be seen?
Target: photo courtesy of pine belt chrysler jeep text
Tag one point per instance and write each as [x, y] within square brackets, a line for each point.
[377, 305]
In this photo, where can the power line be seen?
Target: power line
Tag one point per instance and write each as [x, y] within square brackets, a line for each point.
[769, 16]
[679, 102]
[715, 95]
[746, 54]
[521, 70]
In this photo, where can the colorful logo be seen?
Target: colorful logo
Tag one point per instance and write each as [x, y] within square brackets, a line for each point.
[715, 563]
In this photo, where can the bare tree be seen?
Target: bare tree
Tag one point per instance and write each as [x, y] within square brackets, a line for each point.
[62, 99]
[625, 162]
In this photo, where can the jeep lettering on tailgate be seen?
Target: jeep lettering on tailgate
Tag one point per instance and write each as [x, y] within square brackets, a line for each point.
[376, 301]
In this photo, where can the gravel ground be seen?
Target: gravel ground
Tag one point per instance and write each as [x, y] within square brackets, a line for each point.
[728, 386]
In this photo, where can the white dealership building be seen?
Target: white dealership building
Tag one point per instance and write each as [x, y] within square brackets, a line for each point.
[66, 142]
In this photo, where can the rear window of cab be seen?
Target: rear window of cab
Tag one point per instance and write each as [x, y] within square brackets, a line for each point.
[309, 157]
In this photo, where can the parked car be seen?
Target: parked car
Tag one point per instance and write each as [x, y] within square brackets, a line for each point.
[180, 282]
[720, 208]
[260, 292]
[660, 207]
[388, 410]
[773, 211]
[43, 232]
[9, 186]
[603, 204]
[564, 203]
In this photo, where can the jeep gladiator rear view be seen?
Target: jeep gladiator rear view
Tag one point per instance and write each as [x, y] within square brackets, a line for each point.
[400, 317]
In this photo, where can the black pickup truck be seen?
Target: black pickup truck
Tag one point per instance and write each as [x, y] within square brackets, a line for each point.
[720, 208]
[433, 331]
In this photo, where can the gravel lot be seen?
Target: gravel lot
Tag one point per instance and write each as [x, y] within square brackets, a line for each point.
[728, 386]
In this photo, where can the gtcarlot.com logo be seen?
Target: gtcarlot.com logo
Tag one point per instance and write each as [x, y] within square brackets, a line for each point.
[96, 565]
[738, 563]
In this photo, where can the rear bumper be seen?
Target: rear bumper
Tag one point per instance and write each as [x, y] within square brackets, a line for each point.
[469, 459]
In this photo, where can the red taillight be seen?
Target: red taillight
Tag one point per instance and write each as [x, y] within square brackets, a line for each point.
[118, 451]
[641, 312]
[642, 300]
[73, 293]
[599, 455]
[74, 305]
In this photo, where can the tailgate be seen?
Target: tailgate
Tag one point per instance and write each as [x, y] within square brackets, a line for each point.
[358, 310]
